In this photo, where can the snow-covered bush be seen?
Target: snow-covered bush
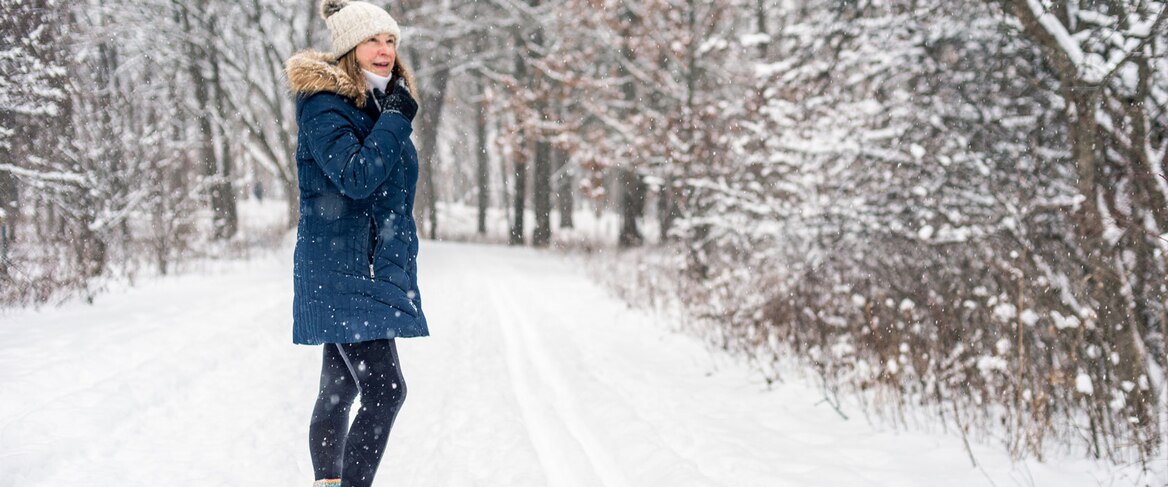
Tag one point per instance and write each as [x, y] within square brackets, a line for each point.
[908, 204]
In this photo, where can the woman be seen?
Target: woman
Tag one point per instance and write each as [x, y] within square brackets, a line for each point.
[356, 287]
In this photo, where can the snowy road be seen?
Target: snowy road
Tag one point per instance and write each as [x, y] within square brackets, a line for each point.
[534, 377]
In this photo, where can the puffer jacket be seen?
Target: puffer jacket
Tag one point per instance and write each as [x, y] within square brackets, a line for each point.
[355, 266]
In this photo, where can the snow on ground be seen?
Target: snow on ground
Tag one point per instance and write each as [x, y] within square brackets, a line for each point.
[534, 376]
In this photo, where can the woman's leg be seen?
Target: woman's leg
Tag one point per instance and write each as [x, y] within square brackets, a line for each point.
[330, 417]
[375, 366]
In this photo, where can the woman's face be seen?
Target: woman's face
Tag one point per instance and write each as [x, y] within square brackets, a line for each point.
[377, 54]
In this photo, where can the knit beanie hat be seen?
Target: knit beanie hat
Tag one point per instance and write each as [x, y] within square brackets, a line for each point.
[350, 23]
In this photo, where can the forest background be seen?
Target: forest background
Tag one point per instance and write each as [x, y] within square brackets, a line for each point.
[957, 208]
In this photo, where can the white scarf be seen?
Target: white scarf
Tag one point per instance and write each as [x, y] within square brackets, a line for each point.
[376, 81]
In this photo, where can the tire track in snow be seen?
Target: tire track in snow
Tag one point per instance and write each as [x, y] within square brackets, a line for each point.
[655, 448]
[568, 451]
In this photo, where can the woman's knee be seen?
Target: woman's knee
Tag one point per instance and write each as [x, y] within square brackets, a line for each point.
[395, 392]
[398, 392]
[386, 399]
[338, 392]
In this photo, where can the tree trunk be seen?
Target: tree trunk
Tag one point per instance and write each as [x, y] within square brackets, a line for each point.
[505, 194]
[520, 153]
[760, 13]
[629, 181]
[542, 193]
[666, 209]
[564, 189]
[632, 208]
[483, 170]
[222, 190]
[8, 212]
[517, 225]
[292, 210]
[433, 96]
[9, 204]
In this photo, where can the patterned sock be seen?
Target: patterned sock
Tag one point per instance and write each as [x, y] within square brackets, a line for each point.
[327, 483]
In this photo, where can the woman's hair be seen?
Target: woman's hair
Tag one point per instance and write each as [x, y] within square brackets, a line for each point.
[348, 63]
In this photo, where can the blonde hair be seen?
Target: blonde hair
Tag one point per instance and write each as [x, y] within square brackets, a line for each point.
[349, 65]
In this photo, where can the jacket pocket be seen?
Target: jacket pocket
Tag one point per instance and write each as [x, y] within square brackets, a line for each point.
[372, 244]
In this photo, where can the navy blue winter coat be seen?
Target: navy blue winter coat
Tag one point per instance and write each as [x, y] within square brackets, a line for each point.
[355, 269]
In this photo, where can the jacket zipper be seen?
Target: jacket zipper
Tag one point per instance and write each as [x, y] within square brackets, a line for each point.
[373, 239]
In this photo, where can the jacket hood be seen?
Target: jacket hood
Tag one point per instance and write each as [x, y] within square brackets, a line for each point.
[310, 72]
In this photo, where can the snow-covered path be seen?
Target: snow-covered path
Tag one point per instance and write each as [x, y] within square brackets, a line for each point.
[534, 376]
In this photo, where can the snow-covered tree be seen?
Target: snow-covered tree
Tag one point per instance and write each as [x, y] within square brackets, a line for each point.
[34, 112]
[899, 198]
[1111, 73]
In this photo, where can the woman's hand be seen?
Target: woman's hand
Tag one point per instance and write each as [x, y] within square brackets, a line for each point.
[398, 100]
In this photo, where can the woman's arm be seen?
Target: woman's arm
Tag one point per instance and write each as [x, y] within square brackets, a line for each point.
[355, 168]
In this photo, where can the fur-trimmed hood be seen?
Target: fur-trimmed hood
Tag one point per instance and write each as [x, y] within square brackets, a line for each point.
[310, 72]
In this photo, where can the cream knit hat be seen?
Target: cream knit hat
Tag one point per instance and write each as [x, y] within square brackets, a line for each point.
[350, 23]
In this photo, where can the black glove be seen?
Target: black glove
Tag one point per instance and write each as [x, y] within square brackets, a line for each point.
[398, 100]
